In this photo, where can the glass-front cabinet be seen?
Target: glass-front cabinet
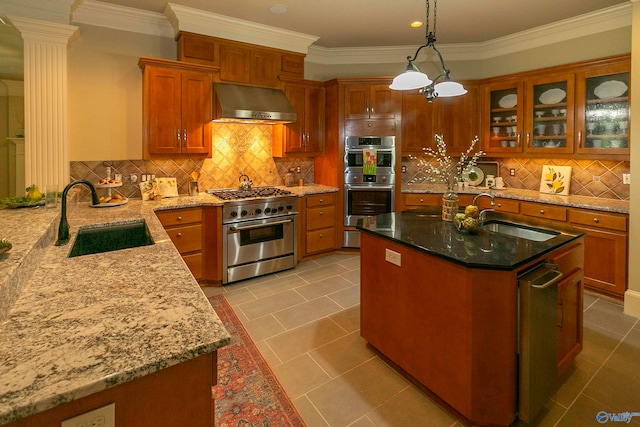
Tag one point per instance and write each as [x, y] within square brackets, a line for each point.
[602, 119]
[503, 127]
[549, 114]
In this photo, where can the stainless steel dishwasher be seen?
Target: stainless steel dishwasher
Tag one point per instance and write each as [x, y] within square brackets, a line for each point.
[537, 338]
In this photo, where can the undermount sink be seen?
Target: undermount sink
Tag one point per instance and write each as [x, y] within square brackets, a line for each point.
[520, 230]
[111, 237]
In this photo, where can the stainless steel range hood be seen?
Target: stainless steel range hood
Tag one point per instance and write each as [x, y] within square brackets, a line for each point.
[250, 104]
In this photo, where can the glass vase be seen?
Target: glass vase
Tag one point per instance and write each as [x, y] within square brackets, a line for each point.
[449, 202]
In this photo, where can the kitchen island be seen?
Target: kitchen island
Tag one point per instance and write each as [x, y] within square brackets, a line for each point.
[442, 305]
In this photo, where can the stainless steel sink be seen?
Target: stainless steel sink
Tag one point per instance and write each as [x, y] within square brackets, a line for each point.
[520, 230]
[111, 237]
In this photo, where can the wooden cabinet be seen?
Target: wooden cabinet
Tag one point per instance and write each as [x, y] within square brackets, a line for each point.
[318, 224]
[544, 211]
[454, 118]
[602, 108]
[185, 229]
[306, 135]
[415, 200]
[576, 110]
[240, 62]
[605, 252]
[370, 101]
[177, 109]
[549, 114]
[570, 294]
[502, 117]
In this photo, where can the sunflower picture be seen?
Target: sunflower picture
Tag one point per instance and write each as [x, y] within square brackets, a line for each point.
[555, 179]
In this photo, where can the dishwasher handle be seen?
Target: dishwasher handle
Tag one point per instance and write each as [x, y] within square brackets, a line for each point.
[546, 280]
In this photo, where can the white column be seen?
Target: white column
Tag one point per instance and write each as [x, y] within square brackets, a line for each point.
[45, 100]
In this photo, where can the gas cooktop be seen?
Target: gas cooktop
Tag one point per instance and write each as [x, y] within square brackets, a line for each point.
[235, 194]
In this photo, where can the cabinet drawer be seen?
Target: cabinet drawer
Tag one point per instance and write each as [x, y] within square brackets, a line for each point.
[599, 219]
[501, 205]
[569, 259]
[179, 217]
[321, 199]
[364, 127]
[422, 199]
[321, 217]
[540, 210]
[194, 262]
[187, 238]
[321, 240]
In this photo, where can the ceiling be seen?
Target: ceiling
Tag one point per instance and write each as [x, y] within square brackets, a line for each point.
[358, 23]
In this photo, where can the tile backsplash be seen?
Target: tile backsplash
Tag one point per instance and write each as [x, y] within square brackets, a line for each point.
[236, 149]
[247, 149]
[594, 178]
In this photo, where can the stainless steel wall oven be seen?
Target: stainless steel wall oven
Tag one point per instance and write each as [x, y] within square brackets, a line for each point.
[367, 192]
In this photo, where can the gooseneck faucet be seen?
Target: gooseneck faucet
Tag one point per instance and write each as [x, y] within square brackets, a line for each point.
[483, 213]
[63, 229]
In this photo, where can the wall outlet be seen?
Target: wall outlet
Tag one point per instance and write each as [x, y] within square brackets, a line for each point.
[298, 169]
[404, 169]
[393, 257]
[626, 178]
[512, 172]
[101, 417]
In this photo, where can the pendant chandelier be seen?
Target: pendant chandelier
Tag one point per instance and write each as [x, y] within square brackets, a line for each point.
[413, 78]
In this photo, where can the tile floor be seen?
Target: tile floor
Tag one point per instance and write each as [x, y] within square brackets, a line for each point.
[306, 323]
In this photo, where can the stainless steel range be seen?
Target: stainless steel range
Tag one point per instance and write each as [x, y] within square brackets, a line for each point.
[259, 231]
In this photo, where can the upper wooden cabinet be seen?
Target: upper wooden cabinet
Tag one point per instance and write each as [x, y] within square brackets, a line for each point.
[455, 118]
[176, 108]
[370, 101]
[602, 108]
[307, 135]
[240, 62]
[579, 109]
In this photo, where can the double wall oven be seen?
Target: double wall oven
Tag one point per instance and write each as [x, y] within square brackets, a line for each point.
[259, 232]
[369, 181]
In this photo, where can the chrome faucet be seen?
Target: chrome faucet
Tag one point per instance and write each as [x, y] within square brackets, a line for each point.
[63, 229]
[483, 213]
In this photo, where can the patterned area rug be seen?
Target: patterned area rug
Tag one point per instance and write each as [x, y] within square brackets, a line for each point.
[248, 393]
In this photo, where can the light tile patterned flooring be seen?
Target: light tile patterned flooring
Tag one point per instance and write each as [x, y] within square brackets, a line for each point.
[306, 324]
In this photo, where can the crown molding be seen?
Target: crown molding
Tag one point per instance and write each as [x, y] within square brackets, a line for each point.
[50, 10]
[122, 18]
[197, 21]
[44, 31]
[580, 26]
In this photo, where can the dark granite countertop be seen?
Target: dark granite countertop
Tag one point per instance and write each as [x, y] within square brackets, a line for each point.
[424, 230]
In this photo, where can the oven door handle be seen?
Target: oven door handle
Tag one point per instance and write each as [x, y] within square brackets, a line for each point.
[264, 224]
[368, 187]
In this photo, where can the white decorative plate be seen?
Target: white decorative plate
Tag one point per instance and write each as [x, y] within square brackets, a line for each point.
[168, 187]
[508, 101]
[479, 175]
[610, 89]
[552, 96]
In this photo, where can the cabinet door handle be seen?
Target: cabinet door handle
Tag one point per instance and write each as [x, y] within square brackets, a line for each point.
[184, 136]
[321, 235]
[561, 314]
[179, 234]
[499, 205]
[580, 138]
[321, 213]
[178, 135]
[421, 200]
[321, 200]
[179, 218]
[542, 211]
[596, 220]
[528, 140]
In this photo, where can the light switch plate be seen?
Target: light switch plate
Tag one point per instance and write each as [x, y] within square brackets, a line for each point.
[101, 417]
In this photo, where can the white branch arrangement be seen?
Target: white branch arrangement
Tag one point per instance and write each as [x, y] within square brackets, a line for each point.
[447, 171]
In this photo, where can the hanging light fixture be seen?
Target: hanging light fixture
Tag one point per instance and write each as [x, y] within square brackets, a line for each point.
[413, 78]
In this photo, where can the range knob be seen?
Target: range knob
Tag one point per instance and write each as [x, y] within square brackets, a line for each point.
[274, 210]
[243, 213]
[267, 210]
[258, 211]
[280, 208]
[289, 207]
[233, 214]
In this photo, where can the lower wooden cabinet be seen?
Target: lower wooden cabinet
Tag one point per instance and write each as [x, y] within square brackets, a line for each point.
[570, 294]
[318, 229]
[185, 229]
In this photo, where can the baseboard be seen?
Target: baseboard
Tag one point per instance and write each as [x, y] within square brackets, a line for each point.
[632, 303]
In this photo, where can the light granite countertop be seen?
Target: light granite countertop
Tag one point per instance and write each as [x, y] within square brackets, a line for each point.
[70, 327]
[596, 203]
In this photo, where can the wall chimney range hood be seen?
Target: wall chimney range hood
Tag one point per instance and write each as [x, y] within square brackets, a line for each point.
[234, 103]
